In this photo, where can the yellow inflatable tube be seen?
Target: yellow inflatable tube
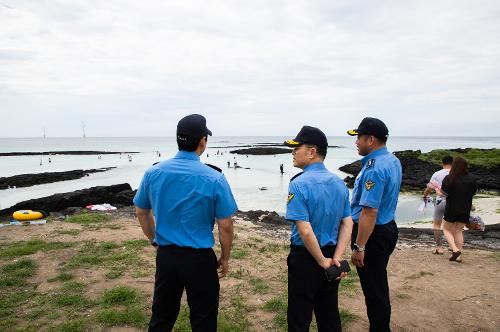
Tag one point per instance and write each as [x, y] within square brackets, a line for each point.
[28, 215]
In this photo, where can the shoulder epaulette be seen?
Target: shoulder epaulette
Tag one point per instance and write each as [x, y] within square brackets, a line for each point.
[296, 176]
[214, 167]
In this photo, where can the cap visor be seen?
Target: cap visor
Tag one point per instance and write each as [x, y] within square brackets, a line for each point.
[292, 143]
[353, 132]
[209, 132]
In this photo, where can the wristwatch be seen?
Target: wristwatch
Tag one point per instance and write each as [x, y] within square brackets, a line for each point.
[358, 248]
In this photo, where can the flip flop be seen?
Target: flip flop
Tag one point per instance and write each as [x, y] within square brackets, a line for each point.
[455, 255]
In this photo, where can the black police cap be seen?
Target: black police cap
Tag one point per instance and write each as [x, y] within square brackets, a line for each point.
[193, 126]
[308, 135]
[370, 126]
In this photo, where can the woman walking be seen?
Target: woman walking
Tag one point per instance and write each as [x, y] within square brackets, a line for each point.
[459, 187]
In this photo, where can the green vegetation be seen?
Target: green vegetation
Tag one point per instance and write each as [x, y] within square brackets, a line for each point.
[116, 317]
[278, 305]
[88, 218]
[63, 276]
[420, 275]
[239, 273]
[120, 295]
[239, 253]
[488, 158]
[22, 248]
[73, 232]
[403, 296]
[74, 325]
[15, 274]
[350, 285]
[259, 286]
[270, 247]
[234, 317]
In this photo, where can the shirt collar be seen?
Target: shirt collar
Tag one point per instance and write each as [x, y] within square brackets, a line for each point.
[374, 154]
[315, 167]
[187, 155]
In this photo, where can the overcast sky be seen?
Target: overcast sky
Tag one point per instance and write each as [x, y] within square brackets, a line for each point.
[134, 68]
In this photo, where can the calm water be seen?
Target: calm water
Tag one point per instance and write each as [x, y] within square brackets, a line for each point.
[263, 172]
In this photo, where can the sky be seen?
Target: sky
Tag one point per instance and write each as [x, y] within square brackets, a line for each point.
[262, 67]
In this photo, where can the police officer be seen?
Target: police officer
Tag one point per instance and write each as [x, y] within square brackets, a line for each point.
[319, 210]
[186, 198]
[373, 207]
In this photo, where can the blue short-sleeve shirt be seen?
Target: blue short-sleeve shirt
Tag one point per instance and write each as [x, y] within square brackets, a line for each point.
[186, 197]
[377, 186]
[321, 198]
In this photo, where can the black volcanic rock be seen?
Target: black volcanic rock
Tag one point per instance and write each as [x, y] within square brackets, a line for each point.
[115, 194]
[261, 151]
[417, 172]
[489, 239]
[27, 180]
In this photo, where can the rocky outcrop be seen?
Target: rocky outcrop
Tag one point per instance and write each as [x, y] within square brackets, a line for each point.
[417, 172]
[48, 153]
[116, 194]
[262, 151]
[489, 239]
[268, 217]
[27, 180]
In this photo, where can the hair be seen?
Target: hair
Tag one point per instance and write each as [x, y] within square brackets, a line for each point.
[187, 143]
[458, 168]
[321, 151]
[381, 140]
[447, 160]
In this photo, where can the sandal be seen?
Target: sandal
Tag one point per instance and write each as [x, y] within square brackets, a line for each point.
[455, 255]
[437, 252]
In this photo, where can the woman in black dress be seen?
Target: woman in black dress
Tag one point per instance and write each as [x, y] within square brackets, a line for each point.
[459, 187]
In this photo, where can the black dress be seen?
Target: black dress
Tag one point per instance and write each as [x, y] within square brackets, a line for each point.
[458, 198]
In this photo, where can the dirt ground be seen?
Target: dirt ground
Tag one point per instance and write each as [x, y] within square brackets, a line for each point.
[428, 292]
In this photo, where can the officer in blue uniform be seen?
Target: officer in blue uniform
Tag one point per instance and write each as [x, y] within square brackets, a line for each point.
[319, 210]
[186, 198]
[373, 206]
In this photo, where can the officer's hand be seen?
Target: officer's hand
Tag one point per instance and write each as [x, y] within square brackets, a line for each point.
[358, 258]
[223, 266]
[337, 263]
[326, 263]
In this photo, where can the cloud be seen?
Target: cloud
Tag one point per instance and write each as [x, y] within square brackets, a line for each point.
[271, 66]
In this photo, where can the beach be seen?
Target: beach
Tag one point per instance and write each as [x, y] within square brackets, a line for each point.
[96, 273]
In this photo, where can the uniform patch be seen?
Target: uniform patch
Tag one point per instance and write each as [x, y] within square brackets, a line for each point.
[370, 163]
[369, 184]
[290, 197]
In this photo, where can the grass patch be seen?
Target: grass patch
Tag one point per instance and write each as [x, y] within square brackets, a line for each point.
[234, 317]
[120, 295]
[350, 285]
[239, 273]
[239, 253]
[15, 274]
[129, 316]
[496, 256]
[182, 324]
[420, 275]
[278, 305]
[63, 276]
[403, 296]
[75, 325]
[23, 248]
[88, 218]
[346, 316]
[259, 286]
[270, 247]
[72, 232]
[115, 273]
[107, 254]
[488, 158]
[136, 244]
[10, 301]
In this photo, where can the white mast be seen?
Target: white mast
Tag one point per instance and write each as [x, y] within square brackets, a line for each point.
[83, 129]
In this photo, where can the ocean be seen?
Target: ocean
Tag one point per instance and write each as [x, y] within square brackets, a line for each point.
[246, 183]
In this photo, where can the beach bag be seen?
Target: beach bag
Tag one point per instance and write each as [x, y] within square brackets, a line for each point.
[475, 223]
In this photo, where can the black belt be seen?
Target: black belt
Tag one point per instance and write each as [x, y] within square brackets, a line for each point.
[173, 247]
[303, 248]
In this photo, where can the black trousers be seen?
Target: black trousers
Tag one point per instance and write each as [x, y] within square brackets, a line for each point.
[373, 275]
[308, 290]
[196, 271]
